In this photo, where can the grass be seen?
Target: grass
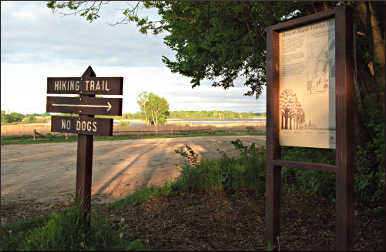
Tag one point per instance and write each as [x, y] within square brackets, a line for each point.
[67, 230]
[14, 232]
[28, 139]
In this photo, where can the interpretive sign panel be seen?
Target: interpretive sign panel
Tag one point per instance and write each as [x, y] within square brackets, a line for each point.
[87, 126]
[310, 104]
[91, 85]
[307, 85]
[85, 105]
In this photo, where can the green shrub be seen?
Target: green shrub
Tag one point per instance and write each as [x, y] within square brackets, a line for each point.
[11, 117]
[225, 173]
[309, 181]
[369, 166]
[249, 170]
[124, 123]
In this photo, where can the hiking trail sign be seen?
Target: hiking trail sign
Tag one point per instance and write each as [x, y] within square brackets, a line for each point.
[86, 125]
[310, 104]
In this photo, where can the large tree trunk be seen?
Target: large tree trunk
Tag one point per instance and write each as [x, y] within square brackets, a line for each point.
[369, 67]
[378, 44]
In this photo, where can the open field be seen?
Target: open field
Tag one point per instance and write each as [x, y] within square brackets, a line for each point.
[44, 128]
[46, 172]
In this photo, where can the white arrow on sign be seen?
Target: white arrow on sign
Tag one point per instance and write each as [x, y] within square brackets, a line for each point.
[108, 106]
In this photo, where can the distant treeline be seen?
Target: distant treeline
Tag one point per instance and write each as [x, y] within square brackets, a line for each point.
[188, 115]
[15, 117]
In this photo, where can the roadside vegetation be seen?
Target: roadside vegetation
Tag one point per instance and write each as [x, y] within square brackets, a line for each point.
[220, 199]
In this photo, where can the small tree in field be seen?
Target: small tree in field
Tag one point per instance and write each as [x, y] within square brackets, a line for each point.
[154, 108]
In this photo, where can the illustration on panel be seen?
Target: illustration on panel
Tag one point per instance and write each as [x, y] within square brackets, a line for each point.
[291, 111]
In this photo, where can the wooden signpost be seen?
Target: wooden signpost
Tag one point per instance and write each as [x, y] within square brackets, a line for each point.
[86, 126]
[334, 73]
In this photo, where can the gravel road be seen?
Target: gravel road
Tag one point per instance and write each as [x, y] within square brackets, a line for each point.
[45, 173]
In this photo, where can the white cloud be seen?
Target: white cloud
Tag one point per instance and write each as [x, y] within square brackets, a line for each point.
[40, 45]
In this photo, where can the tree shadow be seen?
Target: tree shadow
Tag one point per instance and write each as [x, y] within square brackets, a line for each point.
[121, 171]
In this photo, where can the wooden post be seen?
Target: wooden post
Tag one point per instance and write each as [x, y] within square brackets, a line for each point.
[273, 176]
[344, 145]
[84, 160]
[86, 126]
[384, 160]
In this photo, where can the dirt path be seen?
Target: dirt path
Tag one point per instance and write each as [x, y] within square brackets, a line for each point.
[45, 173]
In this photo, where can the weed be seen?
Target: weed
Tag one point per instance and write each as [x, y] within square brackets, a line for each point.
[12, 233]
[225, 173]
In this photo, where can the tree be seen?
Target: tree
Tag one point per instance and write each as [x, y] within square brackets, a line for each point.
[154, 108]
[11, 117]
[299, 116]
[222, 41]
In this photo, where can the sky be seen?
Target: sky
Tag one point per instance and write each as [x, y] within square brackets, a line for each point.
[37, 43]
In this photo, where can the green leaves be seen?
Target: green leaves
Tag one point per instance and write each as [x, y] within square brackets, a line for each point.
[216, 41]
[154, 108]
[226, 173]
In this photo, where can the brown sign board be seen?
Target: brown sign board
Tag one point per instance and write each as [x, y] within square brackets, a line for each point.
[85, 105]
[89, 85]
[84, 126]
[334, 86]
